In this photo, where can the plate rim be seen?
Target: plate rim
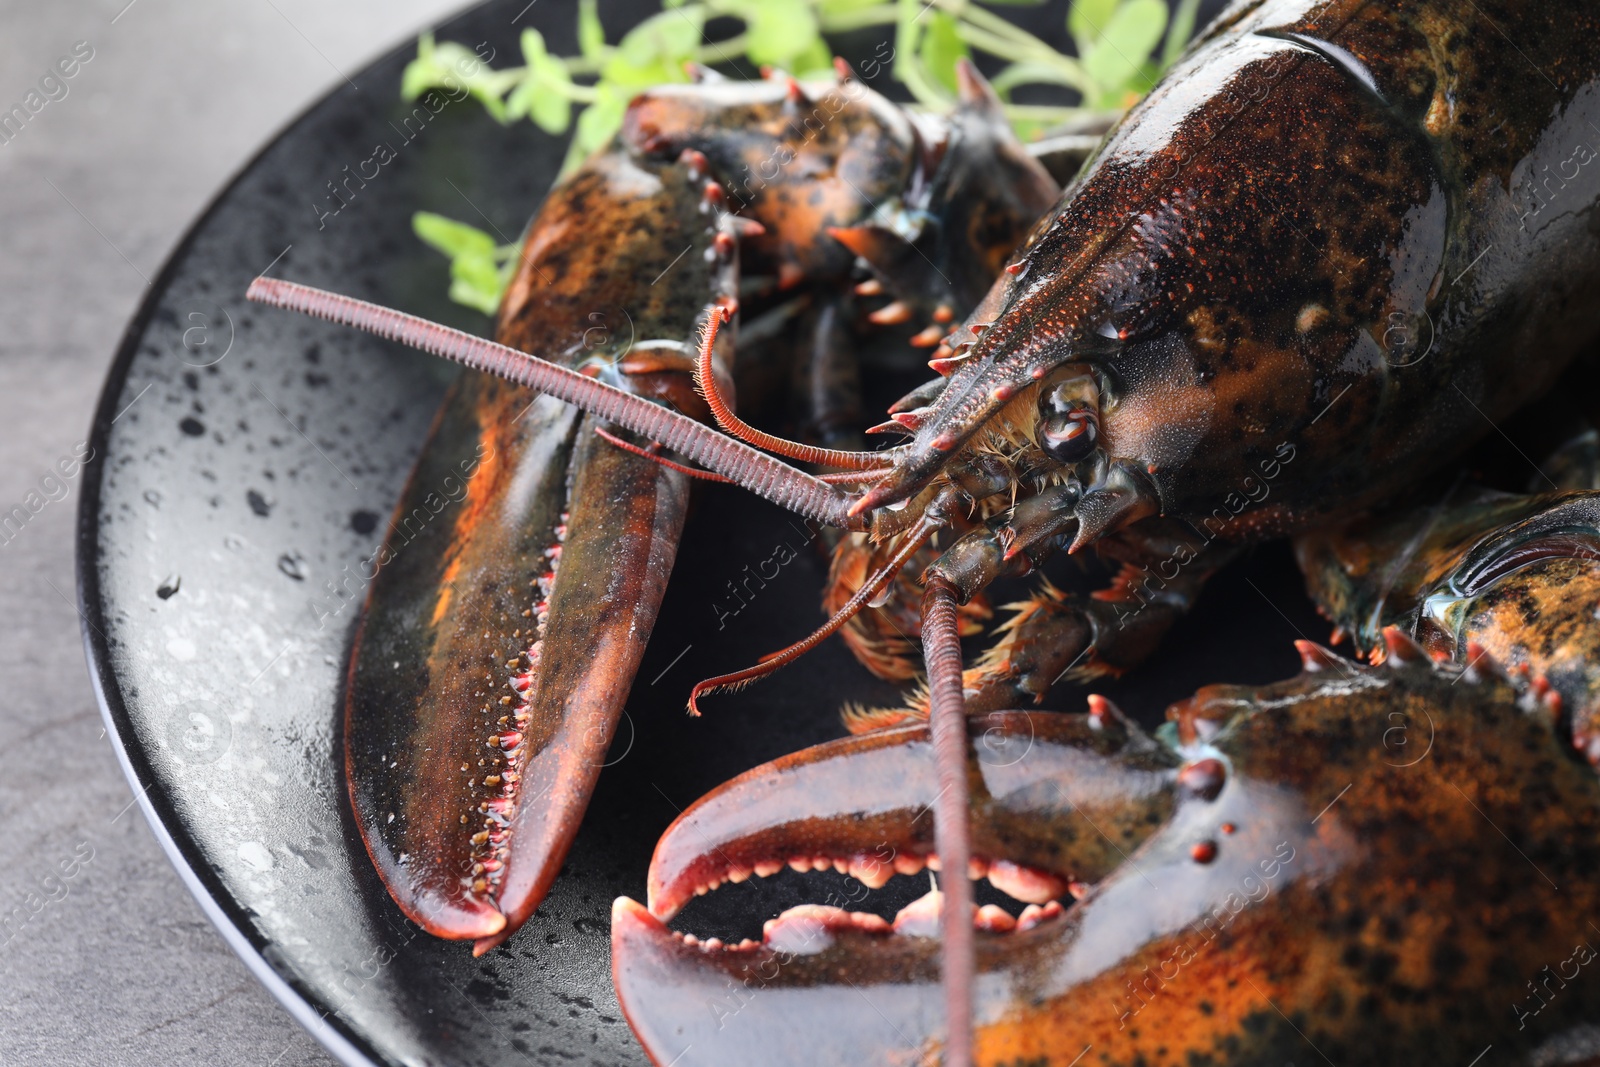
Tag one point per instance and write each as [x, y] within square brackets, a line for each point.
[331, 1032]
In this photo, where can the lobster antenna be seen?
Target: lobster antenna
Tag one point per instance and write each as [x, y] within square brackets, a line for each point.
[739, 679]
[947, 724]
[706, 382]
[738, 462]
[846, 478]
[657, 458]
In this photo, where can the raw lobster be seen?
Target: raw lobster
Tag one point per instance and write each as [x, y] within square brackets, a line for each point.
[1329, 249]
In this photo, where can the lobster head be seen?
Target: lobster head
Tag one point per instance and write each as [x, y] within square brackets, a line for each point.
[1219, 293]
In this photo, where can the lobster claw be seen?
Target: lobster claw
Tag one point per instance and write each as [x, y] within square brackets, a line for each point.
[527, 560]
[1367, 862]
[1059, 801]
[502, 634]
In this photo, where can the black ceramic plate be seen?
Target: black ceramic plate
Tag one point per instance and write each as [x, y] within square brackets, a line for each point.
[244, 459]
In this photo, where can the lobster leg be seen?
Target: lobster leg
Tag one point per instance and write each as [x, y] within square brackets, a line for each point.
[1055, 635]
[1162, 568]
[502, 633]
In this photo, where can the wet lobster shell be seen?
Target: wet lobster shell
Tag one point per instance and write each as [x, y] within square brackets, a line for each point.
[1284, 877]
[456, 722]
[1330, 248]
[1472, 570]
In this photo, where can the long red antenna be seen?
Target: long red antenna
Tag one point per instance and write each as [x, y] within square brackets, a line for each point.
[656, 457]
[739, 679]
[756, 471]
[706, 382]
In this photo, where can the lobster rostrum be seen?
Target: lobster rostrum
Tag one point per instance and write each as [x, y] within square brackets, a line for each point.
[1197, 346]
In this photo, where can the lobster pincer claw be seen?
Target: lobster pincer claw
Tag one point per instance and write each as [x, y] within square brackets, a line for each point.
[527, 560]
[1277, 870]
[1062, 799]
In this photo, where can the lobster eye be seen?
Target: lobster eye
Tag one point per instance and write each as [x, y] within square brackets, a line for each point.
[1069, 437]
[1069, 419]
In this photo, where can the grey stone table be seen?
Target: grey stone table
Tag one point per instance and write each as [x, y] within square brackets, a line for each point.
[109, 961]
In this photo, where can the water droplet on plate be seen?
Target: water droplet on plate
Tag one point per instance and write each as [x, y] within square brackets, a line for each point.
[256, 855]
[198, 732]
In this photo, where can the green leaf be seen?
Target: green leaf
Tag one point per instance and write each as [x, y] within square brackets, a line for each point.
[598, 123]
[1144, 79]
[669, 35]
[591, 35]
[451, 237]
[654, 52]
[779, 30]
[941, 47]
[542, 93]
[476, 277]
[521, 100]
[1179, 32]
[551, 109]
[475, 282]
[419, 73]
[533, 49]
[1087, 21]
[452, 69]
[475, 298]
[622, 74]
[1125, 43]
[815, 62]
